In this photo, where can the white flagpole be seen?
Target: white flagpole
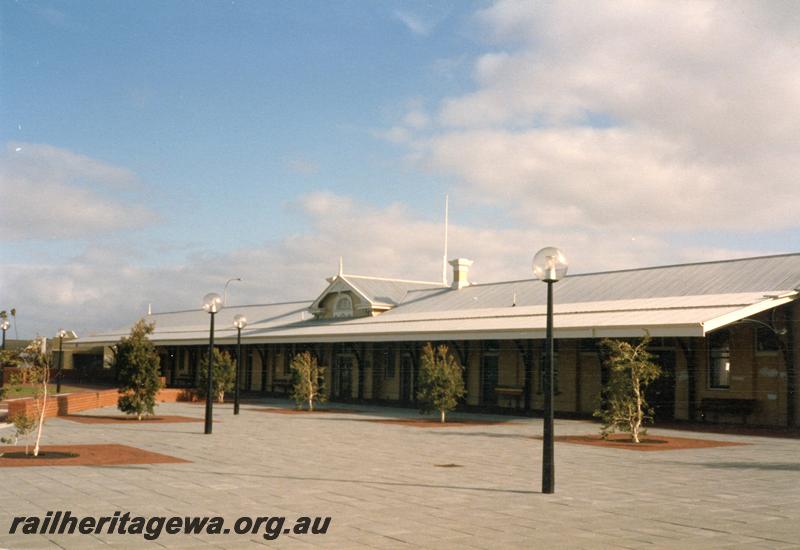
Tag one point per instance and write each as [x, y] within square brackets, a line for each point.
[444, 258]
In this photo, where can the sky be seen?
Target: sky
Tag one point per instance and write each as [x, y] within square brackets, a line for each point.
[152, 150]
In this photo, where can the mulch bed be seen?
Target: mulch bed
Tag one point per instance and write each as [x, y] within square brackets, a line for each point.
[125, 419]
[647, 443]
[425, 423]
[83, 455]
[304, 411]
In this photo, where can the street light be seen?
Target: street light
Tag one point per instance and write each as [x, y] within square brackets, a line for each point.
[239, 321]
[61, 335]
[549, 265]
[212, 303]
[4, 324]
[225, 290]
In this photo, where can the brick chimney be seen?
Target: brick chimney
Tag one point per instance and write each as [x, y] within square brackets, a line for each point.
[460, 272]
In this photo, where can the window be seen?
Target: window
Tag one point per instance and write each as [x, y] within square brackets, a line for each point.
[719, 361]
[343, 307]
[766, 340]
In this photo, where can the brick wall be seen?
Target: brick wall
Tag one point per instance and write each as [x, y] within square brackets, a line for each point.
[72, 403]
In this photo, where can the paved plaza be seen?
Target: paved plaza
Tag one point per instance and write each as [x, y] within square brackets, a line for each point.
[381, 485]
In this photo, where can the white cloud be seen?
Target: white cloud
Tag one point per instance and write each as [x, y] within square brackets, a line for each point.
[654, 117]
[52, 193]
[108, 286]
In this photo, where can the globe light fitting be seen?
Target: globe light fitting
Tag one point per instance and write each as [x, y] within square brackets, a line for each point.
[550, 264]
[212, 302]
[239, 321]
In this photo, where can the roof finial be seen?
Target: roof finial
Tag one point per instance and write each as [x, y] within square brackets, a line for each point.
[341, 266]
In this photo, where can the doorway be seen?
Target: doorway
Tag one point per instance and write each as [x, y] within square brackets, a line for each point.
[343, 379]
[660, 393]
[489, 379]
[406, 378]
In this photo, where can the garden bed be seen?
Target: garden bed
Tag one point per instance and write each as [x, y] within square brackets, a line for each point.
[83, 455]
[647, 443]
[126, 419]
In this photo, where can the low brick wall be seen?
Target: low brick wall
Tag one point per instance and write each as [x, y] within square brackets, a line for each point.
[71, 403]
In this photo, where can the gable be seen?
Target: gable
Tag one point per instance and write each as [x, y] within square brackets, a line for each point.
[333, 302]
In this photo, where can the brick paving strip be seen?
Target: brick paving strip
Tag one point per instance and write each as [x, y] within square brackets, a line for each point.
[123, 419]
[85, 455]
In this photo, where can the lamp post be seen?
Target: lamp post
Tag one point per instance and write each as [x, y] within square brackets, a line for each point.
[239, 321]
[4, 324]
[61, 334]
[225, 290]
[549, 265]
[212, 303]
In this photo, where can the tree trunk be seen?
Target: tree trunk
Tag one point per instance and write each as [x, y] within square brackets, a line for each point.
[311, 402]
[41, 419]
[442, 416]
[637, 414]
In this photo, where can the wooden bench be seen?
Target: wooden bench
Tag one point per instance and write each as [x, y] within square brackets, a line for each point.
[721, 405]
[512, 393]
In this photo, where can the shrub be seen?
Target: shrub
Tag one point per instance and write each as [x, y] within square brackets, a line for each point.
[441, 383]
[308, 380]
[138, 368]
[223, 376]
[623, 405]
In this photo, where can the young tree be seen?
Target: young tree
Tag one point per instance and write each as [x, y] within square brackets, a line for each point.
[441, 383]
[308, 380]
[23, 426]
[223, 376]
[34, 366]
[632, 369]
[138, 371]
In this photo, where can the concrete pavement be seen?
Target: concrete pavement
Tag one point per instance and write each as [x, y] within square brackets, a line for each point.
[384, 486]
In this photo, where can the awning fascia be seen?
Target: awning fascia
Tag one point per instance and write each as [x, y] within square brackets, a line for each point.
[747, 311]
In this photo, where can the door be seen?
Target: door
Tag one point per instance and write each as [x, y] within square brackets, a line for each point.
[489, 379]
[406, 375]
[343, 381]
[660, 393]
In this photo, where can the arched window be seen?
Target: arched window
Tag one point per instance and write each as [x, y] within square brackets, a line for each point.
[343, 307]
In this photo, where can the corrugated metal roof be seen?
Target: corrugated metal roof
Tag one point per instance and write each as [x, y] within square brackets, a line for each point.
[686, 300]
[766, 274]
[386, 291]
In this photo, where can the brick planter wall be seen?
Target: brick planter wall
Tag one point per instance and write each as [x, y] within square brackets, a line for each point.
[71, 403]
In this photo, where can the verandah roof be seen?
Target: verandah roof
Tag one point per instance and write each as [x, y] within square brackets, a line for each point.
[690, 316]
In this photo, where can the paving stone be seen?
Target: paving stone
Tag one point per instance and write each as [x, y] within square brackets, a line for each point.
[380, 485]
